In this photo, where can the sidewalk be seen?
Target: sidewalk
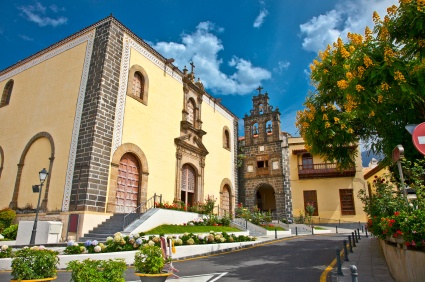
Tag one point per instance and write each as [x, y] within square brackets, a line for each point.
[370, 262]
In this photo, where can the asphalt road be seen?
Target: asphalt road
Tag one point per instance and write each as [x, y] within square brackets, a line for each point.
[293, 259]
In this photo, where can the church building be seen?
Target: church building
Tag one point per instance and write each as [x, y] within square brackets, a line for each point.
[114, 123]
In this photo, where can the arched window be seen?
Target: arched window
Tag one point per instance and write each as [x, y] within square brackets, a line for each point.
[138, 84]
[260, 109]
[191, 111]
[269, 127]
[307, 161]
[226, 138]
[7, 92]
[255, 130]
[188, 184]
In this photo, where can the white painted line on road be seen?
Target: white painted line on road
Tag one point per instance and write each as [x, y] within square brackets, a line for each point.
[197, 278]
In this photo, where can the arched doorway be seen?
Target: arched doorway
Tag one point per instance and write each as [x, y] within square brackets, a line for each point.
[225, 200]
[128, 184]
[265, 198]
[188, 184]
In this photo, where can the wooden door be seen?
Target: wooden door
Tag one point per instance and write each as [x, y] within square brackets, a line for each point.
[128, 184]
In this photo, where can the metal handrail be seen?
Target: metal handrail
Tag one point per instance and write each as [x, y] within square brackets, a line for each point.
[141, 209]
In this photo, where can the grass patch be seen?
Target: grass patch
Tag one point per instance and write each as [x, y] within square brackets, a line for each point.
[177, 229]
[319, 228]
[272, 227]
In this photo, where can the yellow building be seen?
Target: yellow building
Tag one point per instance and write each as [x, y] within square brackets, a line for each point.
[114, 123]
[332, 192]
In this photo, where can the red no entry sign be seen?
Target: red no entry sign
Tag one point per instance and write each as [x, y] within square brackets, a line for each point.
[418, 137]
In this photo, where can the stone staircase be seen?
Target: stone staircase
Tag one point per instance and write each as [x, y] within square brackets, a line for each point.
[109, 227]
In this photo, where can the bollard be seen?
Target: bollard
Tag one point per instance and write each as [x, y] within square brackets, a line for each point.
[358, 234]
[296, 231]
[349, 244]
[354, 273]
[312, 230]
[362, 229]
[345, 250]
[353, 238]
[338, 261]
[366, 231]
[275, 233]
[336, 228]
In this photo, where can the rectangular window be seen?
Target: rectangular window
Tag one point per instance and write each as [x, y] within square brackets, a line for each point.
[347, 202]
[310, 197]
[263, 164]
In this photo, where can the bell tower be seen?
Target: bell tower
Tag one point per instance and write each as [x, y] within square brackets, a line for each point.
[265, 170]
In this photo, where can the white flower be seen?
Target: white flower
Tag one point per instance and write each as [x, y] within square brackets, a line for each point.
[97, 249]
[109, 238]
[151, 243]
[4, 247]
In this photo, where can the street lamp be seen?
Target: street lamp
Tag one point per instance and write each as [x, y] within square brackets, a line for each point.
[43, 175]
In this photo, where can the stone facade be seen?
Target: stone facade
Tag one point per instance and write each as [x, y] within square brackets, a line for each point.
[264, 175]
[90, 181]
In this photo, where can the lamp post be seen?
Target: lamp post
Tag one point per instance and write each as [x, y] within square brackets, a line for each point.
[43, 175]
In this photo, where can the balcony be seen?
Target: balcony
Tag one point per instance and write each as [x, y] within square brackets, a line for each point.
[325, 170]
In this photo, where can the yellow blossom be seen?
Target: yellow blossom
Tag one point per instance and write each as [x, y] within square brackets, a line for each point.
[350, 104]
[312, 67]
[359, 88]
[399, 76]
[361, 70]
[352, 48]
[325, 117]
[343, 126]
[384, 86]
[350, 130]
[327, 124]
[344, 53]
[376, 17]
[380, 98]
[336, 120]
[342, 84]
[392, 10]
[367, 61]
[368, 33]
[349, 76]
[333, 62]
[372, 114]
[325, 71]
[389, 55]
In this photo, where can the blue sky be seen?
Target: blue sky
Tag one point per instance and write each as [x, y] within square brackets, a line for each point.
[236, 45]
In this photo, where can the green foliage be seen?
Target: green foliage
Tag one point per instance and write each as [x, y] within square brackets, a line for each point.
[254, 215]
[97, 270]
[207, 207]
[6, 217]
[368, 88]
[11, 232]
[33, 263]
[149, 259]
[6, 252]
[390, 215]
[175, 229]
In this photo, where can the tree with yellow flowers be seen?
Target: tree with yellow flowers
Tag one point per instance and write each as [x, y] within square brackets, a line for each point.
[369, 88]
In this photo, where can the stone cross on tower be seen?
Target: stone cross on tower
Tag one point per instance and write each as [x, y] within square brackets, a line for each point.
[259, 90]
[193, 66]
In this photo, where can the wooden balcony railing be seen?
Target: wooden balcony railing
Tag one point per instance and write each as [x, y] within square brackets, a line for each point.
[323, 171]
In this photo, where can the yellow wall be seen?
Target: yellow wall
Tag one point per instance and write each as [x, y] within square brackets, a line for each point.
[46, 95]
[218, 163]
[327, 189]
[153, 129]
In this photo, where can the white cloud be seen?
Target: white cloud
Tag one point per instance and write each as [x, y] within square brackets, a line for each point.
[25, 37]
[281, 66]
[202, 47]
[260, 18]
[37, 14]
[347, 16]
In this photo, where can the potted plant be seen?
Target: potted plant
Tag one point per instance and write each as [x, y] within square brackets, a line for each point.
[111, 270]
[149, 263]
[34, 264]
